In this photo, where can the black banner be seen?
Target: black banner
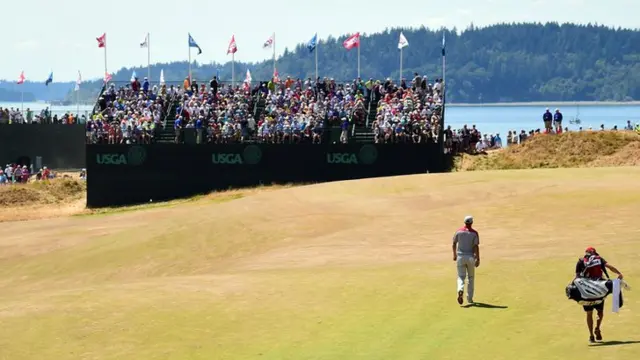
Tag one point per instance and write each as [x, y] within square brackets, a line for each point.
[133, 174]
[59, 146]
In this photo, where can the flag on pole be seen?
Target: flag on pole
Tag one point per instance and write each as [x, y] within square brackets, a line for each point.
[268, 44]
[247, 78]
[313, 43]
[49, 79]
[233, 48]
[102, 40]
[192, 43]
[443, 44]
[133, 76]
[247, 81]
[79, 81]
[107, 77]
[403, 41]
[145, 42]
[161, 76]
[276, 76]
[21, 78]
[352, 41]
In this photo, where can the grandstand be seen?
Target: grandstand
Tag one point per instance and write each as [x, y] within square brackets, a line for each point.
[287, 111]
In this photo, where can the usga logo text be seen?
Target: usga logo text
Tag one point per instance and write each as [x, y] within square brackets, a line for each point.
[111, 159]
[342, 158]
[230, 159]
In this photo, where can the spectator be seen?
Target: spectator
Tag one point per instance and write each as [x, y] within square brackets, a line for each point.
[3, 178]
[547, 118]
[557, 121]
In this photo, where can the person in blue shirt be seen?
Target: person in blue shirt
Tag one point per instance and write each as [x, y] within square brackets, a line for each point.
[145, 85]
[547, 117]
[177, 126]
[557, 121]
[199, 130]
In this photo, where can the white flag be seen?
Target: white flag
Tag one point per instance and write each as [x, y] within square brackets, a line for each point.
[145, 42]
[79, 81]
[133, 76]
[161, 77]
[248, 79]
[403, 41]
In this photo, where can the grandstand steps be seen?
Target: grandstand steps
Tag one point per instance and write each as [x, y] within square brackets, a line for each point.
[363, 135]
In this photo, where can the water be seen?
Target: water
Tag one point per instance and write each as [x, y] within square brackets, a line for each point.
[36, 107]
[489, 119]
[501, 119]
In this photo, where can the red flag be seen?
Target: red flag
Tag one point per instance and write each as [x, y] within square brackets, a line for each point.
[276, 77]
[352, 41]
[232, 46]
[21, 78]
[107, 77]
[102, 40]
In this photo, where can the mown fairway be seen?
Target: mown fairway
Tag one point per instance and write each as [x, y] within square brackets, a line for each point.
[353, 270]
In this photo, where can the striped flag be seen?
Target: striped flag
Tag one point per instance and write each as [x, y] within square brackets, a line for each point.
[21, 78]
[352, 41]
[102, 40]
[233, 48]
[107, 77]
[269, 43]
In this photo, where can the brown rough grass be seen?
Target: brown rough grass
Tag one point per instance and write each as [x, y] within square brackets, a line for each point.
[568, 150]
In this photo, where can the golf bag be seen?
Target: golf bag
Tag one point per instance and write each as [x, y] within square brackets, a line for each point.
[589, 292]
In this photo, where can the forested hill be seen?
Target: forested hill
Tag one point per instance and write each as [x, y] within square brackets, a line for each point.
[500, 63]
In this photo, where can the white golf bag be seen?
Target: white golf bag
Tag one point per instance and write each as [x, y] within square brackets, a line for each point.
[589, 292]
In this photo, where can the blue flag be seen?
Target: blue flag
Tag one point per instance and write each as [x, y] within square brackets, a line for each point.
[49, 79]
[443, 44]
[192, 43]
[313, 43]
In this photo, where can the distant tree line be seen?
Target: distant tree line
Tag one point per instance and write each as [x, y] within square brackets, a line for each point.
[499, 63]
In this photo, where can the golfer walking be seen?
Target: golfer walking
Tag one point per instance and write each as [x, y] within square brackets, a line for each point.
[466, 254]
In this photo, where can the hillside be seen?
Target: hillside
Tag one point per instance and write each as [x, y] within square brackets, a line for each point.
[573, 149]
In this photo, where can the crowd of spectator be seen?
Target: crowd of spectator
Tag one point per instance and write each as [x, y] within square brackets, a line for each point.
[16, 116]
[129, 114]
[288, 111]
[407, 113]
[17, 174]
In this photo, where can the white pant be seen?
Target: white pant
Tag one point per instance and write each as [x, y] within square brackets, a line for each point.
[466, 268]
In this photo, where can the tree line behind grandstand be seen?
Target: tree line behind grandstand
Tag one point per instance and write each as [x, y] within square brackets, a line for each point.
[499, 63]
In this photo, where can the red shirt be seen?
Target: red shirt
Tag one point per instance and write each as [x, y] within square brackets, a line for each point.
[591, 266]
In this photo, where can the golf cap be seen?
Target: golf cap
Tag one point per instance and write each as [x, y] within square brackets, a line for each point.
[468, 219]
[590, 250]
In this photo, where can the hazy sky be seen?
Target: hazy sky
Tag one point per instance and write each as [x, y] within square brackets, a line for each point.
[38, 36]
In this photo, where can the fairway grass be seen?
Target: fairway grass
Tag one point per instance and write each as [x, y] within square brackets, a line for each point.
[350, 270]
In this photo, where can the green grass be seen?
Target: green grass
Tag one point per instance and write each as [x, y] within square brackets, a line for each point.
[354, 270]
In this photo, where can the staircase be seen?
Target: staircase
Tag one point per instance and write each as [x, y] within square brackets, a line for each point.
[363, 135]
[259, 106]
[166, 134]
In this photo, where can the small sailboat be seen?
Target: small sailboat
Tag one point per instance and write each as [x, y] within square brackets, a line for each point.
[576, 120]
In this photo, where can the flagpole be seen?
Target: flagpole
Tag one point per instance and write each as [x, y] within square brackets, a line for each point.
[22, 101]
[233, 71]
[359, 57]
[149, 57]
[189, 64]
[105, 59]
[400, 66]
[317, 46]
[274, 52]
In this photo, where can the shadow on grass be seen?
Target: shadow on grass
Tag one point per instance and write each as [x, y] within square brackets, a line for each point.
[485, 306]
[615, 342]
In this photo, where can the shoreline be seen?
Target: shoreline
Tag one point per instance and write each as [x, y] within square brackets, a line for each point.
[548, 104]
